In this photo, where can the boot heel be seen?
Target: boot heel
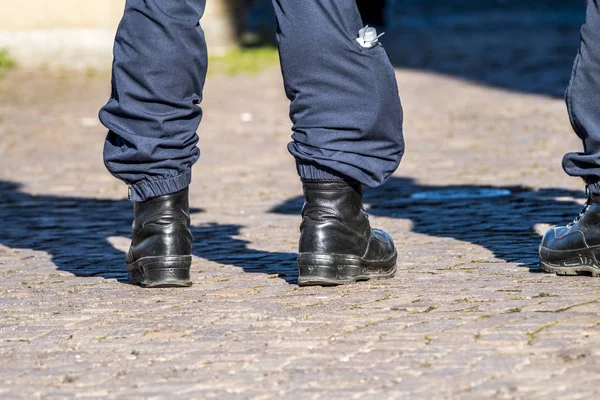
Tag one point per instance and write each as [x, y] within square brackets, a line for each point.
[328, 269]
[339, 269]
[153, 272]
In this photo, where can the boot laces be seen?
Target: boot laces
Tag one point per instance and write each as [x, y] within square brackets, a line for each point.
[586, 207]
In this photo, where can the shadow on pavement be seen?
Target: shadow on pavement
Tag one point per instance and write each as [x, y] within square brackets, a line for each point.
[75, 232]
[218, 243]
[503, 224]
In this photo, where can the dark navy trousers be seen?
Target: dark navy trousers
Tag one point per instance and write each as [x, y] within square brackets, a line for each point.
[583, 102]
[344, 103]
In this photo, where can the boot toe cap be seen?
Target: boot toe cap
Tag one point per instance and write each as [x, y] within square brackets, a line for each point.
[563, 238]
[381, 246]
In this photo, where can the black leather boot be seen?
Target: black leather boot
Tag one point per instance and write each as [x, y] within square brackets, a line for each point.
[574, 249]
[337, 244]
[161, 247]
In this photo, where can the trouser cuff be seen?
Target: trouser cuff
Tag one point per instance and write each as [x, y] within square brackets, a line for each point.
[149, 189]
[314, 172]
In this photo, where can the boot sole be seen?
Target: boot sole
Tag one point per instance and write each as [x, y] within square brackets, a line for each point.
[574, 262]
[338, 269]
[161, 272]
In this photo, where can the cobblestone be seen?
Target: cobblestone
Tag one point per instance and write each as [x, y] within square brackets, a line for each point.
[468, 316]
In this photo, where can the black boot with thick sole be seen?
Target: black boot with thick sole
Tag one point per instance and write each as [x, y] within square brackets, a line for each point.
[337, 244]
[574, 249]
[161, 247]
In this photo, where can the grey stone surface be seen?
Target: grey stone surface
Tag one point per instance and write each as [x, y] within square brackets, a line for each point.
[468, 316]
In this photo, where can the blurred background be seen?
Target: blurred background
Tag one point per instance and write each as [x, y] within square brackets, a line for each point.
[522, 45]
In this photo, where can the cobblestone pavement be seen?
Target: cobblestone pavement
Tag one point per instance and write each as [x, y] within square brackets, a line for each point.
[468, 316]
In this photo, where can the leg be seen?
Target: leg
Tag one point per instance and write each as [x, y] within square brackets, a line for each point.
[158, 74]
[344, 99]
[582, 103]
[575, 248]
[347, 123]
[159, 68]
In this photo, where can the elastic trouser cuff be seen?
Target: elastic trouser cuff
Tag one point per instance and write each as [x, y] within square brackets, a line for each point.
[149, 189]
[314, 172]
